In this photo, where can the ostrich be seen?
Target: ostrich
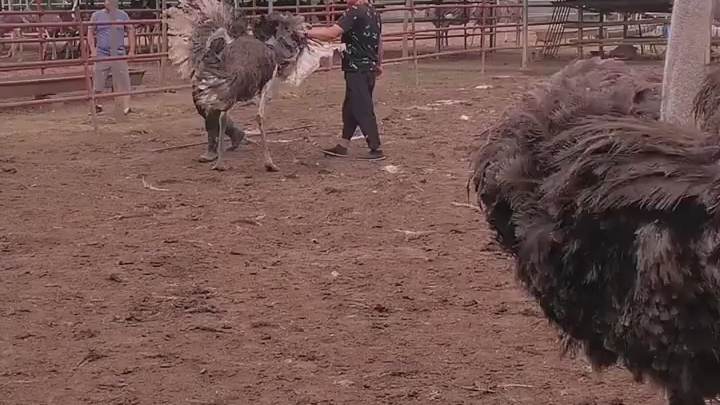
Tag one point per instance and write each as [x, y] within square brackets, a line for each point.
[211, 46]
[15, 33]
[609, 201]
[445, 16]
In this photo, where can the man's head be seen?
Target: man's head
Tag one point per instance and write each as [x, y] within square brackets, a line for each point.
[357, 2]
[111, 5]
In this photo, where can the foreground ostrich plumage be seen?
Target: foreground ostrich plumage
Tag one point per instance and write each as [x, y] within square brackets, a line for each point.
[613, 218]
[212, 46]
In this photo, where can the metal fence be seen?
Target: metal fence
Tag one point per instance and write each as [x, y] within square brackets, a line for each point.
[410, 15]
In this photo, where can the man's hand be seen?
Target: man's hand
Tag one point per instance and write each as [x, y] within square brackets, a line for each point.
[131, 52]
[93, 52]
[379, 69]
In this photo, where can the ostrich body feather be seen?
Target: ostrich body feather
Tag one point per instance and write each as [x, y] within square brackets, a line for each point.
[203, 33]
[613, 219]
[192, 23]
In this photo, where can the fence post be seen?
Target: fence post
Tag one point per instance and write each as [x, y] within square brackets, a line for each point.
[414, 42]
[405, 28]
[164, 42]
[526, 36]
[88, 83]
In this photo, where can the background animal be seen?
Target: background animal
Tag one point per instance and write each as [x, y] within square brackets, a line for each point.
[613, 218]
[478, 16]
[15, 49]
[608, 197]
[147, 34]
[51, 32]
[445, 16]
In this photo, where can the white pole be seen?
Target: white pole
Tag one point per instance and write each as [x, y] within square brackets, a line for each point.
[270, 6]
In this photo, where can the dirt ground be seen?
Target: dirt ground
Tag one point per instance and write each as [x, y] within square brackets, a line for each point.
[330, 282]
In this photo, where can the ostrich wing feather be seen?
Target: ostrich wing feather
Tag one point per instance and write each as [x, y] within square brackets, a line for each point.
[706, 105]
[193, 24]
[309, 59]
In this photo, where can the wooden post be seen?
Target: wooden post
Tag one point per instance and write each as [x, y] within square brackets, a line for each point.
[405, 28]
[486, 21]
[466, 20]
[40, 30]
[581, 35]
[601, 34]
[414, 42]
[708, 51]
[164, 42]
[84, 54]
[526, 35]
[492, 32]
[115, 41]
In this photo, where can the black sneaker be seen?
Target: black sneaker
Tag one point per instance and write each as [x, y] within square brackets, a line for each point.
[373, 155]
[336, 151]
[98, 109]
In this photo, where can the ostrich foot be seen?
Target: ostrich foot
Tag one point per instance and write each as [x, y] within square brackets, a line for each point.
[271, 167]
[207, 157]
[236, 135]
[219, 165]
[676, 397]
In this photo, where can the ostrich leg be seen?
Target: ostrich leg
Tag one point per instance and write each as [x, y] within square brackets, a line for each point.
[20, 47]
[13, 45]
[675, 397]
[219, 164]
[267, 88]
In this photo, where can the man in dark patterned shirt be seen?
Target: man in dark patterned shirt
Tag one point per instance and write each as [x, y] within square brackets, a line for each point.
[360, 27]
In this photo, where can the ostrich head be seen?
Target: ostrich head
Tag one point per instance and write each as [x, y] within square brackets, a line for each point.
[287, 34]
[284, 32]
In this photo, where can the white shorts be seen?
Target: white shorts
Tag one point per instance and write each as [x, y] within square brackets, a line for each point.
[104, 69]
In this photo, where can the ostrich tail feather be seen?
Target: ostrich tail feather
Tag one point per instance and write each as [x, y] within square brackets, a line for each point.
[192, 25]
[706, 105]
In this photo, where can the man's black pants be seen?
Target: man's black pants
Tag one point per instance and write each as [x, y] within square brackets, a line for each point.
[358, 107]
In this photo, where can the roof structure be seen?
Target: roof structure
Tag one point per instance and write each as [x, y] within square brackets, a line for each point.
[619, 6]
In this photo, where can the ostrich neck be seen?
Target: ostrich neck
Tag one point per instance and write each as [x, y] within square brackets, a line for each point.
[685, 58]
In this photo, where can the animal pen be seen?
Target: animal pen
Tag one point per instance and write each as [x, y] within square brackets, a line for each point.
[406, 28]
[131, 274]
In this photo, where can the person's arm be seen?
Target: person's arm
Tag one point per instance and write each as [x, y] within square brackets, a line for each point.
[91, 35]
[379, 66]
[130, 30]
[344, 24]
[380, 44]
[381, 51]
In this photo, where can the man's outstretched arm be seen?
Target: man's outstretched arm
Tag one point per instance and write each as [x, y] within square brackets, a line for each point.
[326, 34]
[343, 24]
